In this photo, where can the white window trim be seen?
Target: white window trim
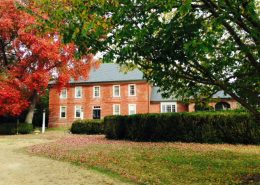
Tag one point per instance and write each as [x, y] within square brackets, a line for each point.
[129, 89]
[66, 94]
[114, 91]
[129, 105]
[94, 92]
[76, 92]
[114, 112]
[65, 112]
[169, 103]
[75, 108]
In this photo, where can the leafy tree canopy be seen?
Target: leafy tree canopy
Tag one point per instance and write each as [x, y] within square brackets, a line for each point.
[189, 48]
[29, 60]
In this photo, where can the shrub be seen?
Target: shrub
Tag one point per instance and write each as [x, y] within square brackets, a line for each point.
[204, 127]
[25, 128]
[11, 128]
[8, 128]
[87, 127]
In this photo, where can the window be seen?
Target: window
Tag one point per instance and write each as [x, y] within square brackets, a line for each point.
[132, 90]
[168, 107]
[63, 112]
[96, 91]
[131, 109]
[78, 92]
[116, 109]
[78, 112]
[116, 90]
[63, 94]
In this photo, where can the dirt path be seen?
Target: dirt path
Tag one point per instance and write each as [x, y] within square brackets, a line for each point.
[18, 168]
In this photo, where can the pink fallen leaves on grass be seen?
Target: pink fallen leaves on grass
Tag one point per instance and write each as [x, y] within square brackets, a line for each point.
[138, 161]
[76, 142]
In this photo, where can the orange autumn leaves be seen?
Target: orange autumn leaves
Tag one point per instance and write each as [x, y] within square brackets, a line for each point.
[29, 60]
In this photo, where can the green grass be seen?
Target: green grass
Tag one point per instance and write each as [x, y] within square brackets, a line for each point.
[58, 129]
[159, 163]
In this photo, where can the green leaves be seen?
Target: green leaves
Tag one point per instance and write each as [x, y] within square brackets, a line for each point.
[194, 45]
[212, 45]
[185, 7]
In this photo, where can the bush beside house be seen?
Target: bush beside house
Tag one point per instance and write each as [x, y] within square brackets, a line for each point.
[203, 127]
[87, 127]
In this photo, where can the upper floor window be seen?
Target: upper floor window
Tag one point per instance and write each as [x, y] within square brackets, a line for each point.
[78, 111]
[132, 90]
[78, 92]
[131, 109]
[168, 107]
[63, 111]
[96, 91]
[63, 94]
[116, 90]
[116, 109]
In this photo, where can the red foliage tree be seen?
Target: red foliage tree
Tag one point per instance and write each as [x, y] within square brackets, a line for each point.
[29, 60]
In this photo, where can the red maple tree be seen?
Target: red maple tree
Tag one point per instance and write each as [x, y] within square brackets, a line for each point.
[29, 60]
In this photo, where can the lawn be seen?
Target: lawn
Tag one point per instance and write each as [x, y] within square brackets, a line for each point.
[158, 163]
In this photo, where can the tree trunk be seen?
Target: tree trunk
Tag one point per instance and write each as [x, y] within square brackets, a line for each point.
[29, 116]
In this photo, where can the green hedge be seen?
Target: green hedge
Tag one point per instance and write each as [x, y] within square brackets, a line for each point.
[203, 127]
[87, 127]
[25, 128]
[11, 128]
[8, 128]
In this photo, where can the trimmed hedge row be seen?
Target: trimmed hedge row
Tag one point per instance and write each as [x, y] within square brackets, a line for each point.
[203, 127]
[11, 128]
[25, 128]
[87, 127]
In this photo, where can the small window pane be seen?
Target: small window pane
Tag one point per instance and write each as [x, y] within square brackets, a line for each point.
[132, 109]
[116, 109]
[173, 108]
[116, 92]
[63, 94]
[168, 108]
[132, 90]
[78, 92]
[63, 111]
[97, 91]
[78, 111]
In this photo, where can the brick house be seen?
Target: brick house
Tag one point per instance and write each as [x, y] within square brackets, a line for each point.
[108, 91]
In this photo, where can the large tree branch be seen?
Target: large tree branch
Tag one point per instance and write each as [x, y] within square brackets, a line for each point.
[2, 45]
[254, 22]
[240, 100]
[240, 21]
[233, 33]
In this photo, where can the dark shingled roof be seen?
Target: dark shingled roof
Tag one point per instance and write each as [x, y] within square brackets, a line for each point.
[221, 94]
[111, 73]
[157, 96]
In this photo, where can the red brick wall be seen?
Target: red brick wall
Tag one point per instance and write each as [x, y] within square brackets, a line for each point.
[182, 107]
[155, 107]
[105, 101]
[233, 104]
